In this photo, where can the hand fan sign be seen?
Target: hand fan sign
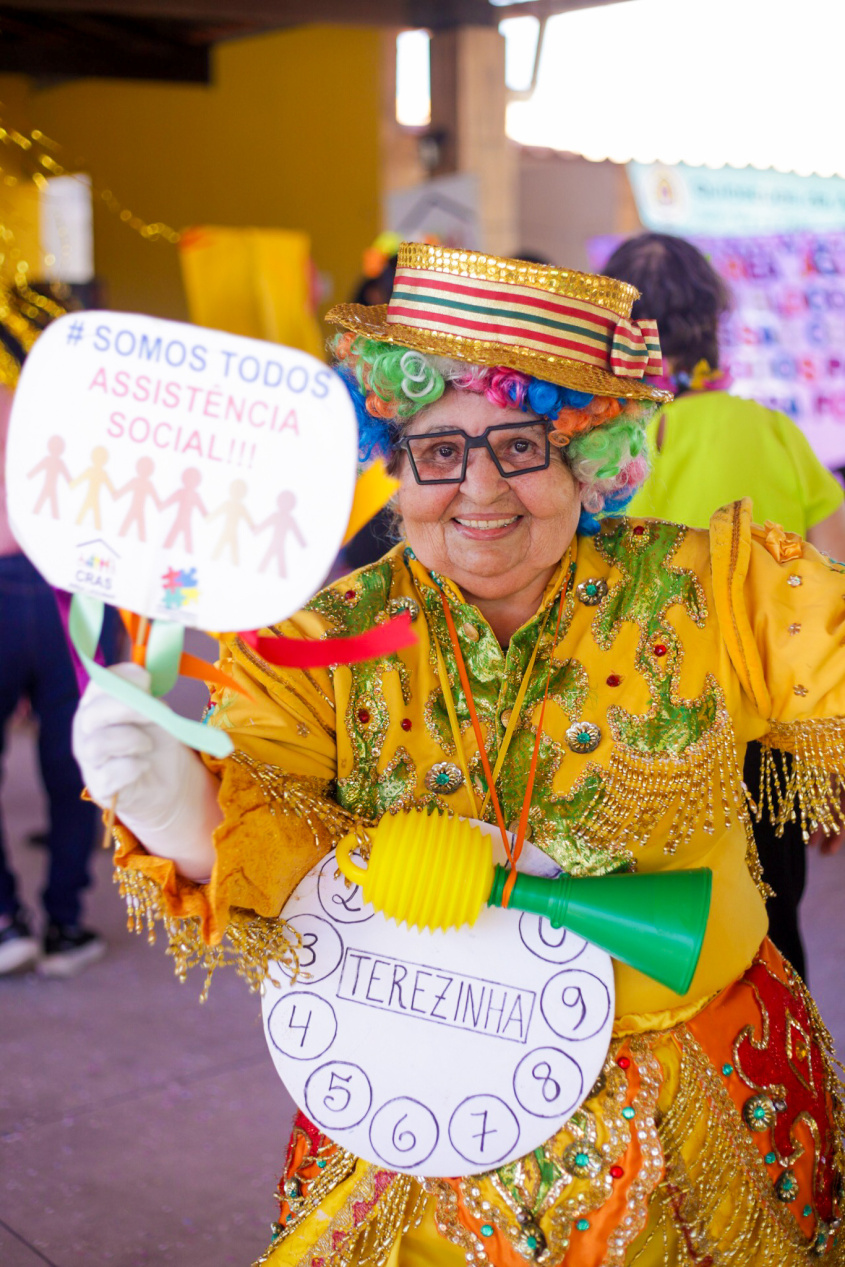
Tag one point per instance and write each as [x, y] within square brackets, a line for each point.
[194, 478]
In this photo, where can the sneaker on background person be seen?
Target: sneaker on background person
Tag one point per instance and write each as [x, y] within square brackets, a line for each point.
[19, 950]
[69, 949]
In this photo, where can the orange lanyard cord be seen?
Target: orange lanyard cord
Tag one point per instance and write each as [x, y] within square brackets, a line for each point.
[532, 771]
[479, 737]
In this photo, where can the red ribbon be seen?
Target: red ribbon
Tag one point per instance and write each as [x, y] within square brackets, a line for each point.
[305, 653]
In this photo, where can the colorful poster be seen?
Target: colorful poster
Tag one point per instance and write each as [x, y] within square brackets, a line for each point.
[783, 342]
[185, 474]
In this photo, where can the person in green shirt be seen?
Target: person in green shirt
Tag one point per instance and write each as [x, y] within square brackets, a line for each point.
[708, 448]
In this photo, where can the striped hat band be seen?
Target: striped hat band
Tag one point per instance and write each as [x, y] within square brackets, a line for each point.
[519, 316]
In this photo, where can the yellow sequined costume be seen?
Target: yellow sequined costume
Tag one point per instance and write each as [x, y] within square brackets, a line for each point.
[713, 1134]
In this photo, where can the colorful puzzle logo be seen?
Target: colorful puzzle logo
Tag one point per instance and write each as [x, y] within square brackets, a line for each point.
[180, 588]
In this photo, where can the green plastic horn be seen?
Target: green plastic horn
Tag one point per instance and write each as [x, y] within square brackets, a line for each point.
[439, 873]
[655, 923]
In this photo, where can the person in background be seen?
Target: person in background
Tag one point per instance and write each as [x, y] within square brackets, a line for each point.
[708, 449]
[35, 665]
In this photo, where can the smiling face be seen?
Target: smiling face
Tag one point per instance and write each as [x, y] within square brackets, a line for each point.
[495, 537]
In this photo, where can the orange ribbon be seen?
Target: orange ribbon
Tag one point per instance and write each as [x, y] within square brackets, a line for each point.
[782, 545]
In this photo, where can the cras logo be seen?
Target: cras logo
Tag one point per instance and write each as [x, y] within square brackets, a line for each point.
[96, 566]
[179, 589]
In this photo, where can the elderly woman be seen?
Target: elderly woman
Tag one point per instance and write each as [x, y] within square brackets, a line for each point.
[611, 672]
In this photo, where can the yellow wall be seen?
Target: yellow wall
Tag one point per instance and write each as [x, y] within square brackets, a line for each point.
[286, 136]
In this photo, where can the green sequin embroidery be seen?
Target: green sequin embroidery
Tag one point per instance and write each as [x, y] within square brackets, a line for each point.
[649, 586]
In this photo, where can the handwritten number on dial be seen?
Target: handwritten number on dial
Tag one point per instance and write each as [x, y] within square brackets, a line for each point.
[575, 1004]
[338, 1095]
[549, 1089]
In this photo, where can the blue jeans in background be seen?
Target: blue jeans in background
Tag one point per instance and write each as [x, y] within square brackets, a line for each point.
[35, 664]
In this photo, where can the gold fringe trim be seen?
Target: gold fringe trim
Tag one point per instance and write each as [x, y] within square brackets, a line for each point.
[251, 944]
[339, 1168]
[741, 1222]
[369, 1243]
[833, 1067]
[306, 796]
[813, 781]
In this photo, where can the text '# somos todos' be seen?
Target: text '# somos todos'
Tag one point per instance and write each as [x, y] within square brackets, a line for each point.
[223, 385]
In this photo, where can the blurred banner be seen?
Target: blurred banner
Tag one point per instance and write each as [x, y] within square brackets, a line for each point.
[684, 199]
[783, 343]
[445, 209]
[254, 282]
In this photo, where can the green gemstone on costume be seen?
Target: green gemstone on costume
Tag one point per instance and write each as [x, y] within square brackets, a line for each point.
[628, 1112]
[582, 1159]
[807, 1211]
[770, 1159]
[444, 777]
[486, 1230]
[321, 1164]
[591, 591]
[727, 1070]
[583, 736]
[759, 1112]
[786, 1187]
[583, 1225]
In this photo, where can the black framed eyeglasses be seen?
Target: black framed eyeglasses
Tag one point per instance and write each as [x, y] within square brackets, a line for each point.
[516, 448]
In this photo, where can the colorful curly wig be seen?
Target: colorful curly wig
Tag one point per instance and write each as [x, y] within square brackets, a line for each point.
[604, 438]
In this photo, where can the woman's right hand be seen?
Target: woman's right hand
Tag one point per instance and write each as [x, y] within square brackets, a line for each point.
[161, 790]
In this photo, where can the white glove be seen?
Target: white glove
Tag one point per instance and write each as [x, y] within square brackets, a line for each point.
[165, 795]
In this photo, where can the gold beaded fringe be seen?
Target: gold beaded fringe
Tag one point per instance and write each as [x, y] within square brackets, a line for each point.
[698, 1213]
[639, 790]
[815, 780]
[369, 1244]
[251, 944]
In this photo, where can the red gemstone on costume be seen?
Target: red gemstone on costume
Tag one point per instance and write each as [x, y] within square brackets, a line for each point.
[613, 679]
[406, 723]
[623, 1062]
[639, 530]
[363, 715]
[660, 648]
[349, 595]
[616, 1172]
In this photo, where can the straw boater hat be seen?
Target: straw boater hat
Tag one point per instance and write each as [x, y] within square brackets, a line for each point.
[574, 329]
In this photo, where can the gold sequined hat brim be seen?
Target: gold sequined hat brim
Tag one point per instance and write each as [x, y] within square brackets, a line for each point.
[371, 322]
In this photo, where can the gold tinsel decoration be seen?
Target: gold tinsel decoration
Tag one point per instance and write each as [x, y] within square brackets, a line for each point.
[24, 310]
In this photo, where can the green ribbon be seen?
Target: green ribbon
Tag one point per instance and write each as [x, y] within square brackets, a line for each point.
[164, 650]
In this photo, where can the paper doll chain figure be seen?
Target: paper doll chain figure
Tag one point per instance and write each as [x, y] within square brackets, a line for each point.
[53, 468]
[282, 523]
[234, 511]
[97, 480]
[188, 500]
[142, 490]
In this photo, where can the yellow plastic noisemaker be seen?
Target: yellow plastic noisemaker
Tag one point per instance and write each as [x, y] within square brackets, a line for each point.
[438, 873]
